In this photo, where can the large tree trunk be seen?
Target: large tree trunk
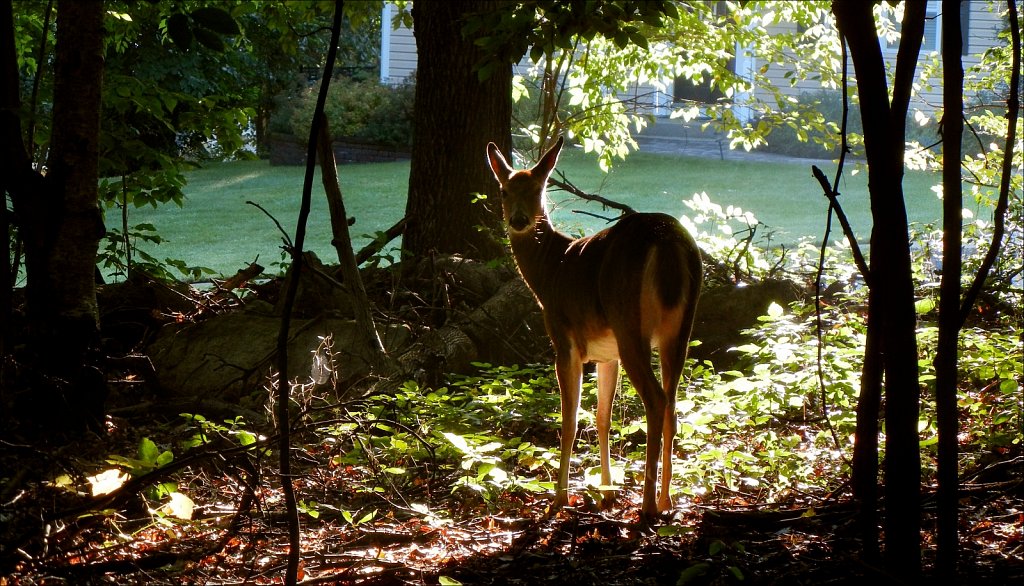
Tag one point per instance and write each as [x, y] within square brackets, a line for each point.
[892, 288]
[457, 114]
[16, 167]
[60, 222]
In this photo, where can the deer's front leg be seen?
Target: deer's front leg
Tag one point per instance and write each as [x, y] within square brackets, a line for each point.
[607, 382]
[569, 371]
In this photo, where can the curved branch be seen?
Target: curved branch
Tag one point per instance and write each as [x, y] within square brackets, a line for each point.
[858, 256]
[284, 444]
[1012, 114]
[567, 186]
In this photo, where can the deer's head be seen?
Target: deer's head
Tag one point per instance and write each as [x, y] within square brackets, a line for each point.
[522, 192]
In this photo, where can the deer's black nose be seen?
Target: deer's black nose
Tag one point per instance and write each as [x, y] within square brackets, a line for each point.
[519, 222]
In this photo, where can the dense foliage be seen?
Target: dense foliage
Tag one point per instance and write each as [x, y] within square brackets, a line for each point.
[361, 109]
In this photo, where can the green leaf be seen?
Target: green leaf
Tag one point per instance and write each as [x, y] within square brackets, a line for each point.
[148, 452]
[537, 53]
[458, 441]
[923, 306]
[245, 438]
[165, 488]
[165, 458]
[638, 38]
[691, 574]
[486, 70]
[716, 547]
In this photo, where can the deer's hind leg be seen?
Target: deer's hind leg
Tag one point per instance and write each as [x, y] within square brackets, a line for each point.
[635, 354]
[672, 355]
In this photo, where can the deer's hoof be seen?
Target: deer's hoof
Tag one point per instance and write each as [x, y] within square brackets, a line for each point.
[608, 499]
[561, 500]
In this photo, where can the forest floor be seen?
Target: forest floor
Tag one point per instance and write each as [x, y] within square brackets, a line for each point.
[375, 527]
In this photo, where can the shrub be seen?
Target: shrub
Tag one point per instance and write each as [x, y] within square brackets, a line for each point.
[819, 142]
[364, 110]
[391, 122]
[821, 139]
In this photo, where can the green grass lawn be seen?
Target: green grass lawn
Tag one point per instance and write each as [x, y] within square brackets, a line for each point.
[217, 229]
[784, 196]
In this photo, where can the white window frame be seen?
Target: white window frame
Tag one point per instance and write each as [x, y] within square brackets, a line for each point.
[933, 21]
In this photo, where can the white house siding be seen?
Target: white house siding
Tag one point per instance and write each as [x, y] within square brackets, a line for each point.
[649, 99]
[398, 54]
[983, 29]
[398, 61]
[398, 50]
[984, 23]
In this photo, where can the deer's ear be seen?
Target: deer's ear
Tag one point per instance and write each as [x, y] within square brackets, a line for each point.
[499, 166]
[547, 162]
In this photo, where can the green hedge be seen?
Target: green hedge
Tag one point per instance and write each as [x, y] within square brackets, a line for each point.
[365, 110]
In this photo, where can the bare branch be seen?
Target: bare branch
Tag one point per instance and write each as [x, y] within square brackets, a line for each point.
[1012, 113]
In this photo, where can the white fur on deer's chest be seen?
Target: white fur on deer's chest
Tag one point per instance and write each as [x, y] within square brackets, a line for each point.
[601, 349]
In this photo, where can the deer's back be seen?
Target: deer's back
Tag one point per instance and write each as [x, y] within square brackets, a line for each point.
[642, 268]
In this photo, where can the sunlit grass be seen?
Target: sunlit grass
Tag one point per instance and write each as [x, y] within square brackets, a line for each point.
[782, 195]
[216, 228]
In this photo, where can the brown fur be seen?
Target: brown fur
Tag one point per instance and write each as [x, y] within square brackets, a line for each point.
[607, 298]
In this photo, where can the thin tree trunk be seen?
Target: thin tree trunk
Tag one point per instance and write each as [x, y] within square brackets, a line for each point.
[66, 232]
[1008, 170]
[892, 288]
[16, 161]
[865, 449]
[371, 349]
[60, 223]
[283, 389]
[949, 297]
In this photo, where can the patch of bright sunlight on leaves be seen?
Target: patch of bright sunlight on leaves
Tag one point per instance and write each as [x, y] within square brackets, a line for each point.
[180, 506]
[756, 430]
[107, 481]
[232, 430]
[148, 458]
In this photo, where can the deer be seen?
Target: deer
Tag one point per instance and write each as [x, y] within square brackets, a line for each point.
[608, 298]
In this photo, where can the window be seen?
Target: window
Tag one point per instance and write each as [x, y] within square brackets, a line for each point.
[933, 29]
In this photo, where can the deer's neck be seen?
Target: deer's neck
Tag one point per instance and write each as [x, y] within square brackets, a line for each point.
[538, 254]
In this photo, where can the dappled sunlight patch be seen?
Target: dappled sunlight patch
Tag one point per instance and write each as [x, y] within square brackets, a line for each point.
[234, 181]
[455, 481]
